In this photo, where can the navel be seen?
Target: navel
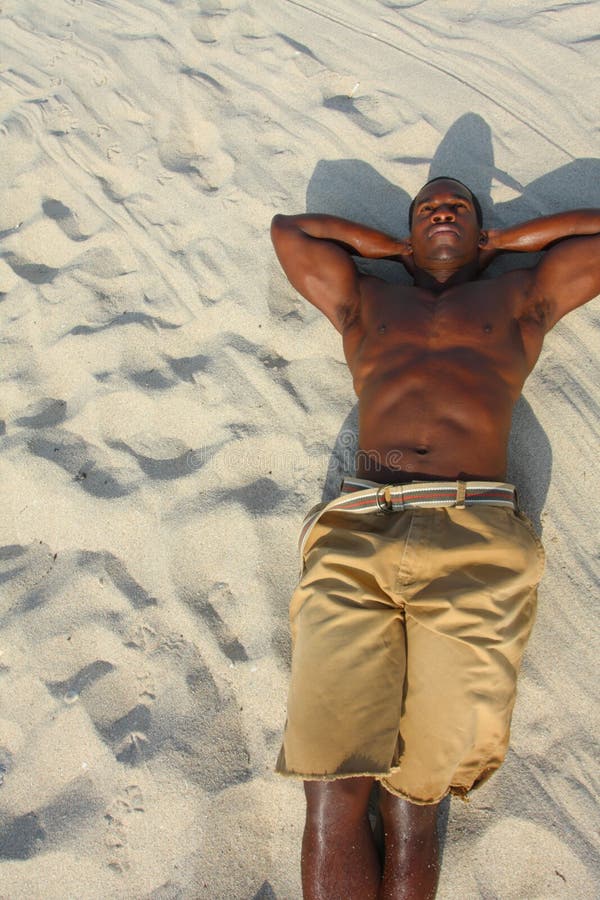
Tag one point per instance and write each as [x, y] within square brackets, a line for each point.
[421, 450]
[382, 329]
[487, 328]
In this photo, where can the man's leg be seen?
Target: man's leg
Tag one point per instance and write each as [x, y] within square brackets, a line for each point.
[339, 858]
[411, 849]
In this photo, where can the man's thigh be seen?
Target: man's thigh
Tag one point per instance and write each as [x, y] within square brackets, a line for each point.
[467, 625]
[346, 686]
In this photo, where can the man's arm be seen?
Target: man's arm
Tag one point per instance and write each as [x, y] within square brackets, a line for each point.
[314, 252]
[538, 234]
[568, 275]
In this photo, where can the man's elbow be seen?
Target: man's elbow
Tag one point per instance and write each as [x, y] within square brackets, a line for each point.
[281, 226]
[280, 221]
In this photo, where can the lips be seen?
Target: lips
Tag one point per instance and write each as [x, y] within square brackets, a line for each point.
[442, 229]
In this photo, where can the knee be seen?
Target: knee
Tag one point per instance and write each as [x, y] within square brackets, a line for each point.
[344, 799]
[402, 815]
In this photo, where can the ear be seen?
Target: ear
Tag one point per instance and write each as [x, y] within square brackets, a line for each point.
[487, 249]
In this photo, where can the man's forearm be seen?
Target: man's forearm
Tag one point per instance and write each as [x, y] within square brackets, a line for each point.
[364, 241]
[529, 237]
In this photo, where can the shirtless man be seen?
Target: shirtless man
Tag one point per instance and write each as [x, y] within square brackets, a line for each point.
[419, 584]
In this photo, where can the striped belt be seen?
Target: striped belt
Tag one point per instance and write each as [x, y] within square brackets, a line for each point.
[360, 496]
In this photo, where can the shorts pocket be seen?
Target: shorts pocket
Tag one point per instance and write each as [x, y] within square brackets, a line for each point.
[529, 527]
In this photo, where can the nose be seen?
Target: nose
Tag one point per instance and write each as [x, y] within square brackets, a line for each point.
[443, 214]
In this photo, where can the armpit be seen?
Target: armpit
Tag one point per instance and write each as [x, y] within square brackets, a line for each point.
[349, 316]
[537, 312]
[536, 309]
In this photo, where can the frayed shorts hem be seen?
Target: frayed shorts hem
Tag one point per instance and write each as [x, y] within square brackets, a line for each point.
[456, 790]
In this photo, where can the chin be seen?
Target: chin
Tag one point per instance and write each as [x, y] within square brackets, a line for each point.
[444, 254]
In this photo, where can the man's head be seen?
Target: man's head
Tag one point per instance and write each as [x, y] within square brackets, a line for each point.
[445, 225]
[476, 202]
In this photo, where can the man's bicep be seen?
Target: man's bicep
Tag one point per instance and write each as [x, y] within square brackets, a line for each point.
[568, 276]
[318, 269]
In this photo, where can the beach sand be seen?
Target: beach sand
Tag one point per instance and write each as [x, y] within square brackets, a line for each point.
[171, 408]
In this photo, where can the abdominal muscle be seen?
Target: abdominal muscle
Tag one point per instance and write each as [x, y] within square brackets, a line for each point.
[446, 416]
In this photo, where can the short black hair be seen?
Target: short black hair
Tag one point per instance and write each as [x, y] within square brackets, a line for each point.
[476, 202]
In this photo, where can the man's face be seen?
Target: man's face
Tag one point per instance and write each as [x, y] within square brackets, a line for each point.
[444, 225]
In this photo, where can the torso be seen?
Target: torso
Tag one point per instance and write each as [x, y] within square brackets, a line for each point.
[437, 376]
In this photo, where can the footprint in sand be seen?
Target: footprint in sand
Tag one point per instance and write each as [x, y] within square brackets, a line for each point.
[89, 465]
[143, 637]
[193, 147]
[216, 22]
[129, 802]
[44, 413]
[147, 686]
[64, 217]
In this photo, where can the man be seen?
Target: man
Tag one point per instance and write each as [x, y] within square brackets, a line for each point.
[419, 584]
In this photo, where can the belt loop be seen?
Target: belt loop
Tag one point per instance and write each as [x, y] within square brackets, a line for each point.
[461, 491]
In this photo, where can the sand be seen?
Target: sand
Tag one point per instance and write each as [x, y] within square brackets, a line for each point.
[171, 408]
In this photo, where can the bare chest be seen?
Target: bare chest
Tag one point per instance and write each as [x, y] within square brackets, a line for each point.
[474, 326]
[469, 317]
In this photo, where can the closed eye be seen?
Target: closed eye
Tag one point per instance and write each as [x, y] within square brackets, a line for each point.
[427, 207]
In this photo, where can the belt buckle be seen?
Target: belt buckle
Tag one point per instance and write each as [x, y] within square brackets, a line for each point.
[385, 505]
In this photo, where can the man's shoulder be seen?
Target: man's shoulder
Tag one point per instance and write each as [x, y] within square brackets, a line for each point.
[519, 290]
[514, 285]
[513, 278]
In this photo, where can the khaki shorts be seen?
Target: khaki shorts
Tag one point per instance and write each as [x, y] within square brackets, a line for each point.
[408, 630]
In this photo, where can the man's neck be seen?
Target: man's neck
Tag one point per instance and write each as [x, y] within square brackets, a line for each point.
[443, 274]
